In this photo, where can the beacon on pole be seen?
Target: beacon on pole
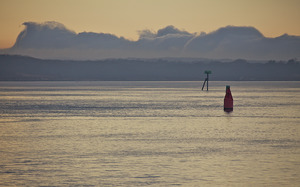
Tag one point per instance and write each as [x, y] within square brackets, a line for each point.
[207, 72]
[228, 100]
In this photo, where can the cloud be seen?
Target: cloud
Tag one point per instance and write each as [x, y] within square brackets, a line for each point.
[169, 31]
[229, 35]
[242, 42]
[44, 35]
[147, 34]
[53, 35]
[54, 40]
[168, 41]
[99, 41]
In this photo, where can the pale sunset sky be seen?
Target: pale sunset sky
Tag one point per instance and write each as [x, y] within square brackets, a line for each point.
[126, 17]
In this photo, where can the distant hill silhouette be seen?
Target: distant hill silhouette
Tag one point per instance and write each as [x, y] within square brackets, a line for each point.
[14, 67]
[54, 40]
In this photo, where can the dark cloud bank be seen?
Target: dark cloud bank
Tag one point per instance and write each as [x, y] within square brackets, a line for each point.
[53, 40]
[168, 54]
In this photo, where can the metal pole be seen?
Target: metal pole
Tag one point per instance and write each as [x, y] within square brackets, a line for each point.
[207, 82]
[203, 84]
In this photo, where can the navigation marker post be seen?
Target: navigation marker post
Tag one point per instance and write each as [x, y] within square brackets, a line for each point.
[207, 72]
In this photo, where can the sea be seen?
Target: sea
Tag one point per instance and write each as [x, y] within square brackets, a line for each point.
[135, 133]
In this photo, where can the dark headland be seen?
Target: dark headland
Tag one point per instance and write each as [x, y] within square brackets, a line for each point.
[24, 68]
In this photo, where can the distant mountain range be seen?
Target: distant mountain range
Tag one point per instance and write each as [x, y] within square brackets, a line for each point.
[20, 68]
[52, 40]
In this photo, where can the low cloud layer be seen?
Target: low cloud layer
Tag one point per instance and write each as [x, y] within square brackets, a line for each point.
[54, 40]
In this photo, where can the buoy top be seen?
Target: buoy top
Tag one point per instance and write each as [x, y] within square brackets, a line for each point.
[228, 100]
[228, 92]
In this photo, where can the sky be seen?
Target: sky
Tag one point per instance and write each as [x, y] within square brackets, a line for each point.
[126, 17]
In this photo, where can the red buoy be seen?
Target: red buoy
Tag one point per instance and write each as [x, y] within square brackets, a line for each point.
[228, 100]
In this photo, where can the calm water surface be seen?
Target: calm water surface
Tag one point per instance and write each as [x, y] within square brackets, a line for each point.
[149, 134]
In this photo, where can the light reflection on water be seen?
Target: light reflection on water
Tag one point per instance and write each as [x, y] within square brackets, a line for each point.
[149, 133]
